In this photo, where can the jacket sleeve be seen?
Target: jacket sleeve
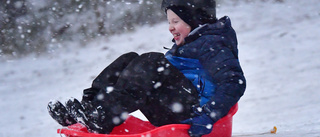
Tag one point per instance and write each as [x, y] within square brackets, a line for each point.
[223, 66]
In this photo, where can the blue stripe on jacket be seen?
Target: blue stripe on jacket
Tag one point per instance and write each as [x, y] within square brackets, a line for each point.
[194, 71]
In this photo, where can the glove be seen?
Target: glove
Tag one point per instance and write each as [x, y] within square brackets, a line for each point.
[200, 125]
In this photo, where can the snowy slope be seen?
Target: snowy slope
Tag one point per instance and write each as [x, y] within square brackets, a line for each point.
[279, 51]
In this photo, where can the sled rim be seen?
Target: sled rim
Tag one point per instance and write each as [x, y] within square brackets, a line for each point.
[76, 133]
[70, 132]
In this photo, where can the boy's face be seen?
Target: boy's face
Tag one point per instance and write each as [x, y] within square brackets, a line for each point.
[177, 27]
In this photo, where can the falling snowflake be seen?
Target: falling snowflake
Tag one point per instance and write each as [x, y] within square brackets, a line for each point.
[124, 115]
[199, 109]
[109, 89]
[160, 69]
[213, 115]
[240, 81]
[157, 85]
[116, 120]
[213, 103]
[177, 107]
[209, 126]
[100, 96]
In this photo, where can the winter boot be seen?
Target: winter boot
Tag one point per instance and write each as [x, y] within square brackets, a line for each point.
[59, 113]
[101, 115]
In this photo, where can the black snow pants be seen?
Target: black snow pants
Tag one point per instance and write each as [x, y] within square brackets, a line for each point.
[147, 82]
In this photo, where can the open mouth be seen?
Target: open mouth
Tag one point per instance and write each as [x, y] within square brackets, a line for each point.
[176, 36]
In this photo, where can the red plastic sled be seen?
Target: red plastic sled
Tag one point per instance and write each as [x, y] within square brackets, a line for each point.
[134, 127]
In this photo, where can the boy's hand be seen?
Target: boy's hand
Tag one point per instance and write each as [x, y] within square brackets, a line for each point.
[200, 125]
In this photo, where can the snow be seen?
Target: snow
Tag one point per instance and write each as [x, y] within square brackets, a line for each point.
[279, 52]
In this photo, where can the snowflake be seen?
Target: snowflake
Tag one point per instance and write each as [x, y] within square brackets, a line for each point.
[241, 81]
[160, 69]
[157, 85]
[109, 89]
[209, 126]
[116, 120]
[177, 107]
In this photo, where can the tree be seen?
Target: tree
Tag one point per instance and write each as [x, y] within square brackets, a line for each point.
[30, 27]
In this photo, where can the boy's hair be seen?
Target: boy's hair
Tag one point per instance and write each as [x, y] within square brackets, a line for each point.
[193, 12]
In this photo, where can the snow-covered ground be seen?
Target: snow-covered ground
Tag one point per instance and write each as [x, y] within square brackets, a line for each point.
[279, 48]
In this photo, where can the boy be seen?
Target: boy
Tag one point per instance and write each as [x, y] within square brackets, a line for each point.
[196, 82]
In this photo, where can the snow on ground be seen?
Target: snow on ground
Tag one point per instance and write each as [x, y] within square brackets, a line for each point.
[279, 52]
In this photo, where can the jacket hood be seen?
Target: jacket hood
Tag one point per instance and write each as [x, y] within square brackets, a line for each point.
[221, 27]
[219, 32]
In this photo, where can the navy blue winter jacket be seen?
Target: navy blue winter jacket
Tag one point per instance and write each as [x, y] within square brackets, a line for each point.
[209, 58]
